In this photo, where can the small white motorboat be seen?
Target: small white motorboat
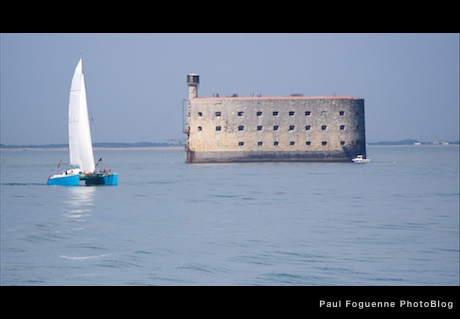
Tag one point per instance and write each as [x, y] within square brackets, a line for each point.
[360, 159]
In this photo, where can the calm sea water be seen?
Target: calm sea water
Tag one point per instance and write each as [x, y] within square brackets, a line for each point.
[394, 221]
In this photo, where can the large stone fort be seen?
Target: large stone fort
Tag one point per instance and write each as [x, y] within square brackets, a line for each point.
[273, 128]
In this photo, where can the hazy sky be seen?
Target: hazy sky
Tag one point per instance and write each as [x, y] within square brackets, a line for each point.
[136, 83]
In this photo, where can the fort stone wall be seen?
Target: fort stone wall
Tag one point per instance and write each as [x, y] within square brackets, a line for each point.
[289, 128]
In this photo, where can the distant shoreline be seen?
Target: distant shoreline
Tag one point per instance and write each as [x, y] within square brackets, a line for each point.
[174, 148]
[146, 148]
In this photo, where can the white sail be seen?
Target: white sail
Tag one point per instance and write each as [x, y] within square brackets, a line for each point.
[80, 144]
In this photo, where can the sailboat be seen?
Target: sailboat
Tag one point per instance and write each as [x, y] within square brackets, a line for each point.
[82, 166]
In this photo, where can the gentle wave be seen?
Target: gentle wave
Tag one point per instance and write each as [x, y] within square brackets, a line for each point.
[24, 184]
[83, 257]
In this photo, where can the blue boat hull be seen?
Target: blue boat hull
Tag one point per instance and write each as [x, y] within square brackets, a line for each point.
[101, 179]
[64, 180]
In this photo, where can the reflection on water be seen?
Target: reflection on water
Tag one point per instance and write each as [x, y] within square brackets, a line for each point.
[83, 245]
[79, 202]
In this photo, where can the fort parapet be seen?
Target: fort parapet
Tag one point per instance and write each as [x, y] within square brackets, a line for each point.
[273, 128]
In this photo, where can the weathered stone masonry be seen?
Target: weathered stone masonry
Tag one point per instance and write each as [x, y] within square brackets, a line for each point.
[256, 128]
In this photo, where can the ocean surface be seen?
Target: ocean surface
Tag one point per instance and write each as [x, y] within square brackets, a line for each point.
[394, 221]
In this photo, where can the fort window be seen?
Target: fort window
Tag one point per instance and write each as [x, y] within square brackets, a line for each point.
[259, 143]
[240, 113]
[275, 113]
[323, 113]
[291, 127]
[292, 143]
[341, 113]
[307, 113]
[342, 127]
[259, 127]
[291, 113]
[275, 128]
[240, 128]
[323, 128]
[240, 143]
[218, 128]
[308, 127]
[200, 113]
[342, 142]
[323, 143]
[259, 113]
[307, 143]
[275, 143]
[218, 113]
[200, 128]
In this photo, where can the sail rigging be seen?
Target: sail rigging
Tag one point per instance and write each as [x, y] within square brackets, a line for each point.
[80, 143]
